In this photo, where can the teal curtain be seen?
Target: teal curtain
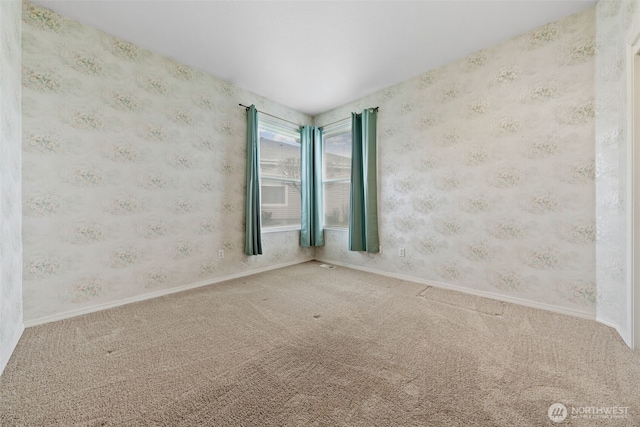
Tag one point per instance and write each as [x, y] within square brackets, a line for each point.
[253, 235]
[311, 231]
[363, 210]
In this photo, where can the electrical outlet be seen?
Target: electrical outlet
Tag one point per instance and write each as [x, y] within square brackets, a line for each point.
[221, 253]
[401, 252]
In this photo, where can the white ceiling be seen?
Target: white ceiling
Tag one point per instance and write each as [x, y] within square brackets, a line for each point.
[315, 55]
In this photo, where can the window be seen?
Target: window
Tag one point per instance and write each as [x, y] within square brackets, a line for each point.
[279, 174]
[337, 174]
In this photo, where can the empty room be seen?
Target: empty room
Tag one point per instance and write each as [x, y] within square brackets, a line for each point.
[319, 213]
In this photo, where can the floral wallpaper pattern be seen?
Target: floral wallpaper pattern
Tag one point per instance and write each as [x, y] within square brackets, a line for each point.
[615, 21]
[10, 180]
[487, 169]
[133, 173]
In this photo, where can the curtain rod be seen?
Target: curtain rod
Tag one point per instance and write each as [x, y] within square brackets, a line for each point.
[280, 118]
[346, 118]
[333, 123]
[270, 115]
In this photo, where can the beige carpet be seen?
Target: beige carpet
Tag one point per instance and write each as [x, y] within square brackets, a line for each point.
[305, 346]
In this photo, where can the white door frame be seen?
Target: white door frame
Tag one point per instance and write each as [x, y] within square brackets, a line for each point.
[633, 129]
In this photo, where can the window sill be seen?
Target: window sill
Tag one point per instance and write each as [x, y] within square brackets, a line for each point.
[337, 228]
[280, 229]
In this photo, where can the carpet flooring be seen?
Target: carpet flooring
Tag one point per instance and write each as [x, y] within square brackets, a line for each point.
[306, 346]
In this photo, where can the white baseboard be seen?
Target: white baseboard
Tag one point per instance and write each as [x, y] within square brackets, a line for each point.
[484, 294]
[143, 297]
[4, 358]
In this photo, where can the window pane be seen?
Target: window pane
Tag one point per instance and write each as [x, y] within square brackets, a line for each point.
[280, 160]
[336, 204]
[337, 157]
[279, 156]
[337, 169]
[280, 203]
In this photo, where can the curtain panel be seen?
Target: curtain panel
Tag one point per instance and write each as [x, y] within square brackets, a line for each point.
[311, 225]
[363, 210]
[253, 233]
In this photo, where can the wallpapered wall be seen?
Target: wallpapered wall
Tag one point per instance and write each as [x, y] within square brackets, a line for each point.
[486, 170]
[134, 170]
[10, 167]
[615, 21]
